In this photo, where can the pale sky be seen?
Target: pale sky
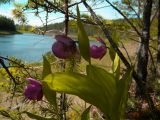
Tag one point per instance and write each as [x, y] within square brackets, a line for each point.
[106, 12]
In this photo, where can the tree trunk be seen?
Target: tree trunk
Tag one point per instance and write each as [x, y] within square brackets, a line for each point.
[144, 45]
[158, 54]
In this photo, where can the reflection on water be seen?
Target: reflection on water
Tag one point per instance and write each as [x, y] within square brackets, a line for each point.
[28, 47]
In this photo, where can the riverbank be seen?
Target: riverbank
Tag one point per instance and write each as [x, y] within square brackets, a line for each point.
[73, 36]
[2, 32]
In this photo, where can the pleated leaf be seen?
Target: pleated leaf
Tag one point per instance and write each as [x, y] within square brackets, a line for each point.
[116, 67]
[112, 53]
[46, 67]
[83, 39]
[86, 114]
[49, 94]
[98, 87]
[121, 96]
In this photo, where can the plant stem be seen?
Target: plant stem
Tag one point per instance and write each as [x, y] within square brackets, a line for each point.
[63, 95]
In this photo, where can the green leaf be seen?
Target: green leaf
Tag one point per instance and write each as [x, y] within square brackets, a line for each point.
[46, 67]
[116, 67]
[106, 86]
[83, 39]
[121, 96]
[33, 116]
[112, 53]
[86, 114]
[116, 37]
[49, 94]
[97, 88]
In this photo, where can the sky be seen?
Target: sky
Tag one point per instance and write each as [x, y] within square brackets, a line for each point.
[6, 9]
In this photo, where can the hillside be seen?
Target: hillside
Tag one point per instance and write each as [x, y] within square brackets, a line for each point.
[7, 25]
[119, 24]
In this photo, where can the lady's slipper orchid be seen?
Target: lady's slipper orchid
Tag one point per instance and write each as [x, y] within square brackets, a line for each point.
[101, 41]
[64, 47]
[97, 52]
[33, 90]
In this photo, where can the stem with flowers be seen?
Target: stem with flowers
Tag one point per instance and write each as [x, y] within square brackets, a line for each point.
[63, 97]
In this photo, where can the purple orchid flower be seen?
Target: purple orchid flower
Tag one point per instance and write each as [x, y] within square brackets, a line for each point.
[101, 40]
[97, 52]
[33, 90]
[64, 47]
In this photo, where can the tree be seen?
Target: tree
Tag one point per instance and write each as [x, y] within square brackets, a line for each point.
[18, 14]
[5, 1]
[158, 54]
[7, 24]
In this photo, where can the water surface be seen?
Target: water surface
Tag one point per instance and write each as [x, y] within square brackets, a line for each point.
[28, 47]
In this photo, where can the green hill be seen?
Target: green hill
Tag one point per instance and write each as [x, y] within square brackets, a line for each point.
[7, 25]
[90, 29]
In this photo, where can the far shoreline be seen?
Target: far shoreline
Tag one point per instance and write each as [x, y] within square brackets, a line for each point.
[3, 32]
[74, 37]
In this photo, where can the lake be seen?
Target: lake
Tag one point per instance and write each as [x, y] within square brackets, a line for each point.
[28, 47]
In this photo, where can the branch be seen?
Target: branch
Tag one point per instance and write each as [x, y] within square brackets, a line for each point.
[8, 72]
[53, 7]
[131, 24]
[126, 52]
[74, 4]
[20, 65]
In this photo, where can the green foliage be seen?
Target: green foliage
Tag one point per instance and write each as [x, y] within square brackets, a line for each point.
[56, 26]
[105, 90]
[50, 57]
[83, 39]
[7, 24]
[116, 67]
[121, 96]
[112, 53]
[32, 4]
[50, 95]
[86, 114]
[25, 28]
[46, 68]
[98, 87]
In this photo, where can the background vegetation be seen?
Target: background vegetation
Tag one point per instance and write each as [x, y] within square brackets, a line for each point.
[7, 24]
